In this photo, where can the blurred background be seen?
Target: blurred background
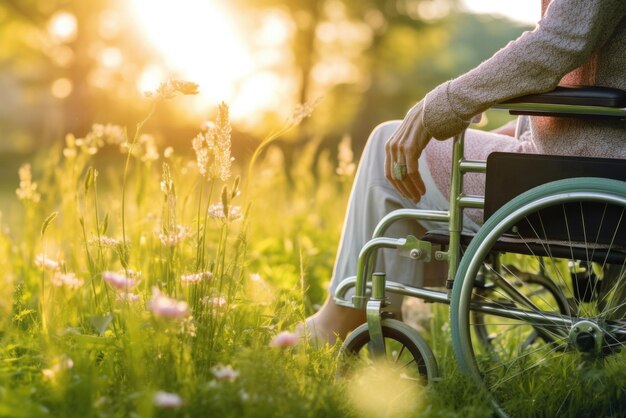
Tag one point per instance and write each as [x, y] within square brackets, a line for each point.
[66, 64]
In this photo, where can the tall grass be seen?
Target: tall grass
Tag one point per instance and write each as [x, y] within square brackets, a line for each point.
[143, 288]
[131, 290]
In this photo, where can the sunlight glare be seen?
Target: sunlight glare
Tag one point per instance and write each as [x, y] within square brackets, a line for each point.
[63, 26]
[199, 43]
[527, 12]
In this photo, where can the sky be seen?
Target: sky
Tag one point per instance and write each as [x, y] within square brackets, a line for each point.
[526, 11]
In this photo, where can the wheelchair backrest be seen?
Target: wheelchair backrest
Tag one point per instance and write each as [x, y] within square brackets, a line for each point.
[510, 174]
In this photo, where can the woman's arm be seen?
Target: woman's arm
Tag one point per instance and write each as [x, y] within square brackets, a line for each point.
[567, 36]
[563, 40]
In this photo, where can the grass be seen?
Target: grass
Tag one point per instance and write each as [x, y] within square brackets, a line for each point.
[145, 288]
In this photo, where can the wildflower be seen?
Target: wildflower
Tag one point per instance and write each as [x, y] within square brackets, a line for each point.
[173, 238]
[66, 279]
[226, 373]
[218, 302]
[302, 111]
[70, 150]
[96, 138]
[45, 263]
[188, 327]
[28, 188]
[195, 277]
[61, 365]
[120, 281]
[105, 241]
[127, 297]
[212, 147]
[166, 307]
[168, 152]
[172, 88]
[256, 277]
[217, 212]
[244, 396]
[144, 148]
[163, 399]
[167, 184]
[346, 158]
[285, 339]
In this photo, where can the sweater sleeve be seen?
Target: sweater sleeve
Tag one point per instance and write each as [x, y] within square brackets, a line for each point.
[535, 62]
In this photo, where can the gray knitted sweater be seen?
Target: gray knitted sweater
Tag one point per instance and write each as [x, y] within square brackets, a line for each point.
[570, 34]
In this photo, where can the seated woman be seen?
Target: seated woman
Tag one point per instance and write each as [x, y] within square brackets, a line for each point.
[577, 42]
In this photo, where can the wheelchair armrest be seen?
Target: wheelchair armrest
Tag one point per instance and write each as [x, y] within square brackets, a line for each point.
[570, 101]
[577, 96]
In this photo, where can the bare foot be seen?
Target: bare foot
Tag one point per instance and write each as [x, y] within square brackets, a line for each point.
[330, 323]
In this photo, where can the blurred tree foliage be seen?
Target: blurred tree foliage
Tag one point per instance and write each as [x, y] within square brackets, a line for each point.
[370, 60]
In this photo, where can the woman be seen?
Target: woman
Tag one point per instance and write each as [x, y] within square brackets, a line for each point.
[577, 42]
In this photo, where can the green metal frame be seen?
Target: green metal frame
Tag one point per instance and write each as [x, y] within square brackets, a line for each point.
[366, 279]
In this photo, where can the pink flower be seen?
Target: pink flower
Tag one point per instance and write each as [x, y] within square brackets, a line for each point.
[167, 400]
[166, 307]
[285, 339]
[225, 373]
[119, 281]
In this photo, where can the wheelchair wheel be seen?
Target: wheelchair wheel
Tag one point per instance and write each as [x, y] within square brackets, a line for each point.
[405, 351]
[537, 287]
[576, 228]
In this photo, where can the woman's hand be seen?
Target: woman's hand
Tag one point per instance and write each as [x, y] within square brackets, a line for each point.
[402, 152]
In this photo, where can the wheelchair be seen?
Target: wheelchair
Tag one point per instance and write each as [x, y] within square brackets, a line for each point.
[538, 295]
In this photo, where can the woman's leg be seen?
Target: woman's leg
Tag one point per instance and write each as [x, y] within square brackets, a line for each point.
[371, 198]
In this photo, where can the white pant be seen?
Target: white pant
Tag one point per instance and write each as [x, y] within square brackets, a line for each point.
[371, 198]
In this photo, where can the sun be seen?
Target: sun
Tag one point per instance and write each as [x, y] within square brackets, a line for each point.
[199, 41]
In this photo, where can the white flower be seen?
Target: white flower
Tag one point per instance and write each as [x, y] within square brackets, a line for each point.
[62, 364]
[217, 212]
[46, 263]
[167, 400]
[66, 279]
[218, 302]
[188, 326]
[105, 241]
[172, 238]
[28, 188]
[194, 278]
[225, 373]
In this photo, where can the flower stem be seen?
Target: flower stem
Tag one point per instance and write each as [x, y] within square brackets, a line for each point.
[140, 125]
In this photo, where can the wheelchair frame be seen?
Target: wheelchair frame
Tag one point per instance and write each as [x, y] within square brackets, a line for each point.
[416, 249]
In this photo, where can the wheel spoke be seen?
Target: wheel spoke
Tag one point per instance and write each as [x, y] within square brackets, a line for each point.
[573, 233]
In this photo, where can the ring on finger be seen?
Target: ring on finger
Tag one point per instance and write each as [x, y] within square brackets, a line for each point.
[399, 171]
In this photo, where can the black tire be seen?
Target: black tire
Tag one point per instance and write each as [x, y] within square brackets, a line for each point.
[404, 347]
[578, 226]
